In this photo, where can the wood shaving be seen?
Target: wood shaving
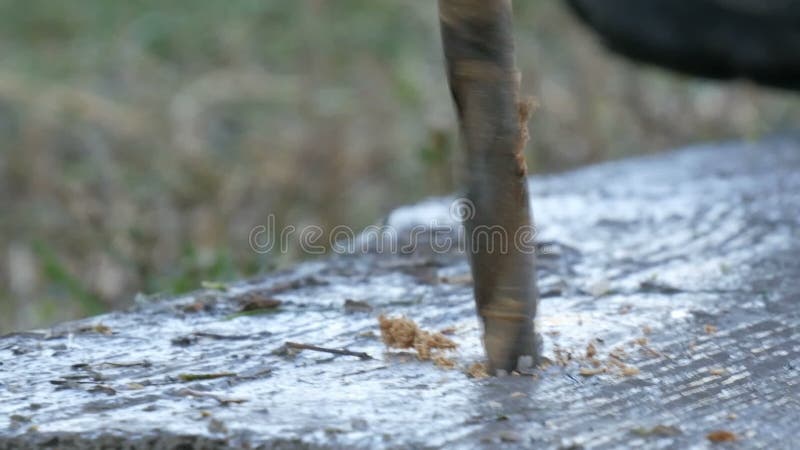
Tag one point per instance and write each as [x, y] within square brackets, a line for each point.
[425, 341]
[478, 370]
[563, 357]
[618, 353]
[615, 362]
[444, 362]
[398, 332]
[401, 332]
[629, 371]
[545, 362]
[591, 371]
[721, 436]
[591, 350]
[658, 430]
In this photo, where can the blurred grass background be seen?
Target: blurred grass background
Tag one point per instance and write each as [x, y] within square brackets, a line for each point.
[141, 141]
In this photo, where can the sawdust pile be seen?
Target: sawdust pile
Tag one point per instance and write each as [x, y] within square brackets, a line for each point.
[402, 332]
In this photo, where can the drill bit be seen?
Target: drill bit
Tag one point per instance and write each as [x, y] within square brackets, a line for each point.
[484, 82]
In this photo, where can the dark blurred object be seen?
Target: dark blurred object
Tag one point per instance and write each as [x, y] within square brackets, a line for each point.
[754, 39]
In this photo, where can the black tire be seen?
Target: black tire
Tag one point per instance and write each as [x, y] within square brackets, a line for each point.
[754, 39]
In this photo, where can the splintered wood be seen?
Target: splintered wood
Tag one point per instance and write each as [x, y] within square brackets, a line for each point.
[401, 332]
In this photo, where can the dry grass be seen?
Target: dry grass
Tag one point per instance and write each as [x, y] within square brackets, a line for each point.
[140, 142]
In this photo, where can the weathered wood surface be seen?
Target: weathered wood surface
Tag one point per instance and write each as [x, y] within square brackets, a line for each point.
[699, 248]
